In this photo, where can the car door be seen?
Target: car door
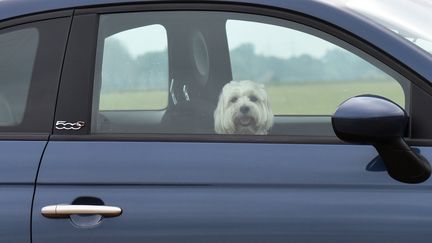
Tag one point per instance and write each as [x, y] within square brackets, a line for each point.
[135, 157]
[31, 53]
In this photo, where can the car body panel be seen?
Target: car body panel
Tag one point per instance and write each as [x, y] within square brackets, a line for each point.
[20, 166]
[180, 163]
[15, 211]
[243, 214]
[211, 192]
[19, 161]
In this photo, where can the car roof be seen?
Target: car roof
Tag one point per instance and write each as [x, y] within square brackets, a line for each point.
[15, 8]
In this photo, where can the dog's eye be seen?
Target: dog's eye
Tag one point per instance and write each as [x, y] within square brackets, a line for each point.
[233, 99]
[253, 98]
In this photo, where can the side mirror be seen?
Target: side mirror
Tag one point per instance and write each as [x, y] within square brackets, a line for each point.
[375, 120]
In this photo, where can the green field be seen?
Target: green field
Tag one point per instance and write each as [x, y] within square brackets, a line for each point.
[134, 100]
[293, 99]
[322, 99]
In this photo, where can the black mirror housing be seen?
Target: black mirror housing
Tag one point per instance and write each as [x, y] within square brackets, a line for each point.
[375, 120]
[369, 119]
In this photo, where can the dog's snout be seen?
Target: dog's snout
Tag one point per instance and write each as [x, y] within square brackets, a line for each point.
[244, 109]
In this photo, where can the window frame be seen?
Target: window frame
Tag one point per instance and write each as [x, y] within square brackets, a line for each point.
[421, 91]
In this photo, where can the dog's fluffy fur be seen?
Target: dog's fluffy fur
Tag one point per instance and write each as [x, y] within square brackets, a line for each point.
[243, 108]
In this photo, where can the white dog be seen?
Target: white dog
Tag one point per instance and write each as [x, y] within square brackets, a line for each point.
[243, 108]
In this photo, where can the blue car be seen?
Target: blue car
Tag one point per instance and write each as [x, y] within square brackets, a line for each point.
[215, 121]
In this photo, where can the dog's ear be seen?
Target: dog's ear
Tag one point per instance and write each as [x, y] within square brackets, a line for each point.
[269, 122]
[218, 116]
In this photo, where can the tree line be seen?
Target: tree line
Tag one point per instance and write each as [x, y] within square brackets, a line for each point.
[121, 71]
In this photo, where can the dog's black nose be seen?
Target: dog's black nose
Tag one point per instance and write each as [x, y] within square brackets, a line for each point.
[244, 109]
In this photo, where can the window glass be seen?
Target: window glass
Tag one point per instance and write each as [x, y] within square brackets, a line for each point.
[193, 72]
[303, 74]
[135, 70]
[17, 57]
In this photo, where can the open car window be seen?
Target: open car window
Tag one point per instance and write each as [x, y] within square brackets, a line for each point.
[303, 74]
[192, 72]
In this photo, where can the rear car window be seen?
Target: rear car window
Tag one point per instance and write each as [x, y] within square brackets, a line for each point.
[17, 58]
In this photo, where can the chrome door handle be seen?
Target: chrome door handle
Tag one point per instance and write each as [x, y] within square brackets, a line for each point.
[64, 211]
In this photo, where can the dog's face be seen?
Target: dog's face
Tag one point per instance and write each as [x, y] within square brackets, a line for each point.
[243, 108]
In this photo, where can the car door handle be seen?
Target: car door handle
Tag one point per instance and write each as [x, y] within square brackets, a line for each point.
[64, 211]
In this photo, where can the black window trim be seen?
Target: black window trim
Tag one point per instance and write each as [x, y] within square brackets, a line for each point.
[421, 89]
[35, 17]
[37, 120]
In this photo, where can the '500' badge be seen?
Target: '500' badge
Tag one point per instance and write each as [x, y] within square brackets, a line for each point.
[64, 125]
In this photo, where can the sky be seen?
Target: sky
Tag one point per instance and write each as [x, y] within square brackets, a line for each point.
[144, 39]
[271, 40]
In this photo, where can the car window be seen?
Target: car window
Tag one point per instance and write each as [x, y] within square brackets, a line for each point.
[192, 72]
[303, 74]
[17, 57]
